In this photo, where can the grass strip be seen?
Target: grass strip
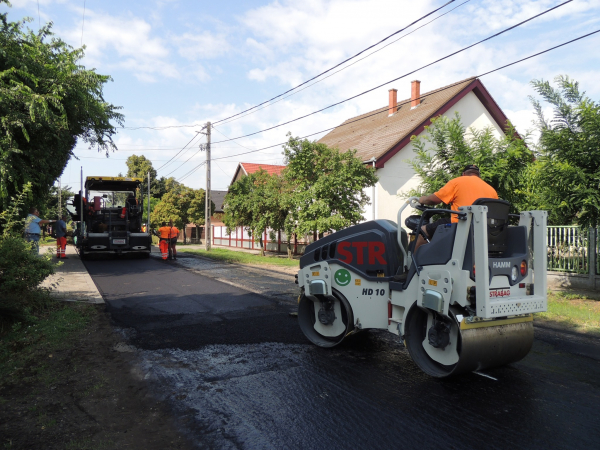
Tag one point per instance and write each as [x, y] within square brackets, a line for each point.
[231, 256]
[52, 330]
[573, 311]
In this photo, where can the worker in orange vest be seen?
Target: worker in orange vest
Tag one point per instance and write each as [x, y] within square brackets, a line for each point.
[165, 238]
[173, 234]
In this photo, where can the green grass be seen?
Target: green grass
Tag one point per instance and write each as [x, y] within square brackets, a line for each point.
[573, 311]
[231, 256]
[53, 330]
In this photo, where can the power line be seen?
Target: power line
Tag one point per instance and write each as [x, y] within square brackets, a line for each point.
[400, 77]
[343, 62]
[310, 79]
[195, 136]
[201, 147]
[378, 111]
[82, 23]
[225, 121]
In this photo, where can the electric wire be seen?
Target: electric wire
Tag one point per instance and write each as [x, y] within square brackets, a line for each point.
[82, 23]
[310, 79]
[226, 121]
[402, 76]
[202, 147]
[184, 147]
[378, 111]
[341, 63]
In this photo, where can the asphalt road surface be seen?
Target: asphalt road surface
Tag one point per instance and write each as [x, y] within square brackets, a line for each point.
[238, 373]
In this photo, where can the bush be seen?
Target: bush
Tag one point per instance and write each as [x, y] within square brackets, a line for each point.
[21, 272]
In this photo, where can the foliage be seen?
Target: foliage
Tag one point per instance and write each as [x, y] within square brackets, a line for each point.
[182, 205]
[47, 101]
[570, 153]
[447, 147]
[153, 203]
[49, 208]
[247, 205]
[21, 271]
[327, 187]
[139, 166]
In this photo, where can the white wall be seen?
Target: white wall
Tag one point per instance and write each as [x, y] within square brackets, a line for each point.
[397, 176]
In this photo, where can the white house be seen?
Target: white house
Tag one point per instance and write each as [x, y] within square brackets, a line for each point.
[383, 137]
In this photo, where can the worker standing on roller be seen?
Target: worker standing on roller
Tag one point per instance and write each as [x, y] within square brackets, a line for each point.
[460, 191]
[173, 235]
[165, 237]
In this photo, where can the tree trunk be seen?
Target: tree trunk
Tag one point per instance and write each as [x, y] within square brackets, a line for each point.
[184, 234]
[260, 243]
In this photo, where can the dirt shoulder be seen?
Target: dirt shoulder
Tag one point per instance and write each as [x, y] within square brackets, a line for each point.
[85, 394]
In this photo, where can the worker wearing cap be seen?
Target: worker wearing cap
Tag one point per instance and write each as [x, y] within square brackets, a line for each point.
[33, 230]
[173, 234]
[460, 191]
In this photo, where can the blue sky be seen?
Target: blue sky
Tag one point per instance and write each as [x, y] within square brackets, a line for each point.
[183, 62]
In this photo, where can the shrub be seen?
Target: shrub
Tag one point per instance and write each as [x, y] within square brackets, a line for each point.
[21, 273]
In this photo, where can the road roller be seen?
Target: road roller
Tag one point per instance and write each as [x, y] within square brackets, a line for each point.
[462, 302]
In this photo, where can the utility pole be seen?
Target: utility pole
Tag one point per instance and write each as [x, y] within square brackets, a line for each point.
[207, 207]
[59, 199]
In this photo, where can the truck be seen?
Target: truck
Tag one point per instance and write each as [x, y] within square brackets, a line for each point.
[108, 217]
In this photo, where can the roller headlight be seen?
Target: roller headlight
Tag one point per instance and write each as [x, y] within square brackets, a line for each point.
[514, 273]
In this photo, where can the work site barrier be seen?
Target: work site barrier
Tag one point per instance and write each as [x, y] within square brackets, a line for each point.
[573, 249]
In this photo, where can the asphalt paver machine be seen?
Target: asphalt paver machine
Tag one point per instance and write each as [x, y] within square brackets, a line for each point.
[109, 217]
[463, 302]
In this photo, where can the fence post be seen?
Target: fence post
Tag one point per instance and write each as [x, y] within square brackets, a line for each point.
[593, 255]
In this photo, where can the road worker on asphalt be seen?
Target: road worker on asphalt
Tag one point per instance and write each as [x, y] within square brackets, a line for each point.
[165, 237]
[173, 235]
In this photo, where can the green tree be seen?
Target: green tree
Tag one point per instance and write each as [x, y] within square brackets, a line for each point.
[247, 205]
[327, 187]
[182, 206]
[196, 210]
[569, 173]
[47, 102]
[447, 147]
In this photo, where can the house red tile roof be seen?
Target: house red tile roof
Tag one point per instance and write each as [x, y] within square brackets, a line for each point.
[269, 168]
[380, 137]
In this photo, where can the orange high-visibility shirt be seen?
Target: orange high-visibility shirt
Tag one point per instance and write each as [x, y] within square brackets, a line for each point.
[463, 191]
[164, 232]
[174, 232]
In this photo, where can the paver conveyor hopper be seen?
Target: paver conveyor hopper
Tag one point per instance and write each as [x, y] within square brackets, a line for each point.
[462, 302]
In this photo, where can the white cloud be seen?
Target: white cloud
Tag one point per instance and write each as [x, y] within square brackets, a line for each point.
[204, 45]
[124, 42]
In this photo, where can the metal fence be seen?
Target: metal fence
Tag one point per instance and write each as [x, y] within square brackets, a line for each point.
[569, 249]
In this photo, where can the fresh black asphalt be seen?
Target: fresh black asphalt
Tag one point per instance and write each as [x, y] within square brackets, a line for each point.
[238, 373]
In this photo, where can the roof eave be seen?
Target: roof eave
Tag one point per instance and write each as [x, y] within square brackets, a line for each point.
[474, 86]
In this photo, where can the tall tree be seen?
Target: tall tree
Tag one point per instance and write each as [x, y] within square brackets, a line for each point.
[447, 147]
[570, 153]
[328, 187]
[182, 206]
[47, 102]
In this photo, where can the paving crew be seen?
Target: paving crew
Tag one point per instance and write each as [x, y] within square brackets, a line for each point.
[460, 191]
[173, 234]
[164, 243]
[61, 238]
[32, 229]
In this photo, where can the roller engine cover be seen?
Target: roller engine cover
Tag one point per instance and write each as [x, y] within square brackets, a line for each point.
[369, 249]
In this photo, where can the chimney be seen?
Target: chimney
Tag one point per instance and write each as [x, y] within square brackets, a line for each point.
[415, 93]
[393, 102]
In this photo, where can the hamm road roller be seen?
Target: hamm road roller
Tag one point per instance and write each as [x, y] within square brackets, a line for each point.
[463, 302]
